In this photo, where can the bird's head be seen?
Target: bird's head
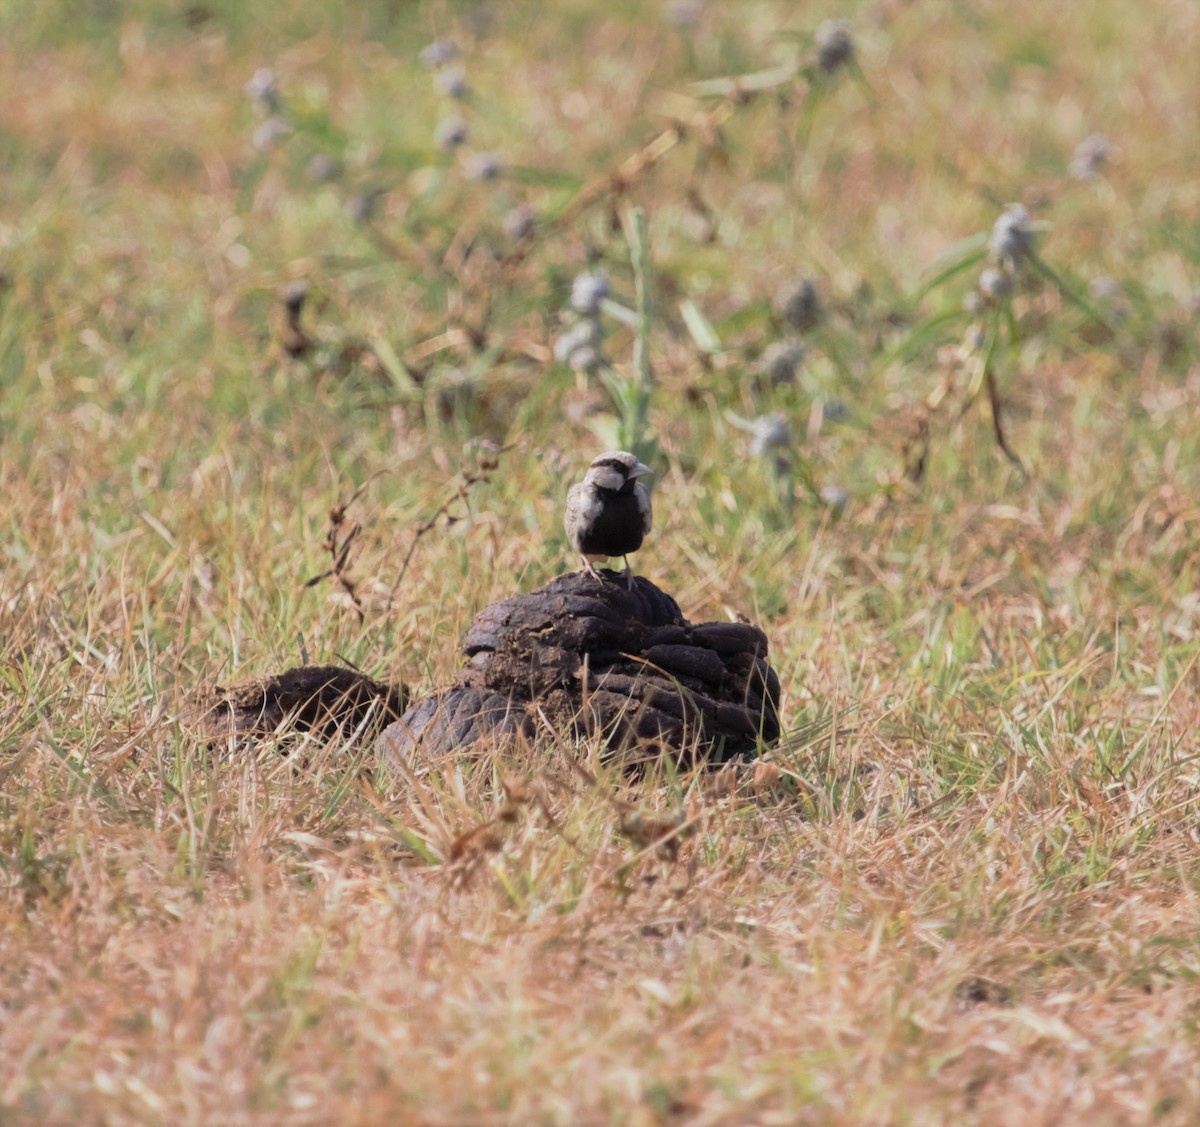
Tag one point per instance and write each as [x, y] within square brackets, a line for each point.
[616, 471]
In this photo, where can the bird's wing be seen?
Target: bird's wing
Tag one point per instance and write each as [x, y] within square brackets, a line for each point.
[577, 512]
[644, 507]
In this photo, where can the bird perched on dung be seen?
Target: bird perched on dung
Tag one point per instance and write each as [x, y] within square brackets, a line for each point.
[608, 512]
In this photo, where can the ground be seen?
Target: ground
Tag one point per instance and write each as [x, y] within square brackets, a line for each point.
[287, 376]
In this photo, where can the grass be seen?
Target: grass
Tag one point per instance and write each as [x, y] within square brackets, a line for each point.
[964, 890]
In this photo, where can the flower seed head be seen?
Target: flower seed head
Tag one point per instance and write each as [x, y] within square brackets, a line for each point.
[588, 291]
[800, 305]
[450, 132]
[586, 359]
[780, 361]
[835, 45]
[484, 166]
[768, 433]
[323, 168]
[439, 53]
[451, 83]
[1012, 237]
[362, 205]
[262, 89]
[1091, 155]
[519, 222]
[293, 296]
[585, 334]
[995, 284]
[1105, 288]
[269, 133]
[835, 497]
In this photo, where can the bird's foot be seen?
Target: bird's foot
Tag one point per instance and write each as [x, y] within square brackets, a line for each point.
[590, 568]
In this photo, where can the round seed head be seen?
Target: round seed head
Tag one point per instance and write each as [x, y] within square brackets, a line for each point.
[781, 359]
[800, 305]
[484, 166]
[1105, 288]
[835, 45]
[995, 284]
[586, 333]
[269, 133]
[450, 132]
[768, 433]
[262, 89]
[439, 53]
[1091, 155]
[519, 222]
[451, 83]
[1012, 237]
[361, 206]
[835, 497]
[586, 359]
[294, 295]
[588, 291]
[323, 168]
[974, 339]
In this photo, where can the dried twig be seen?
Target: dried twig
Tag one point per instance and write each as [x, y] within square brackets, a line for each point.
[338, 544]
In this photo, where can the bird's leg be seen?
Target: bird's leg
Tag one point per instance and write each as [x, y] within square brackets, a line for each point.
[628, 573]
[590, 568]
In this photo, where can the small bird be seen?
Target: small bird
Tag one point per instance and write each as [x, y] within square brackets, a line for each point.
[608, 512]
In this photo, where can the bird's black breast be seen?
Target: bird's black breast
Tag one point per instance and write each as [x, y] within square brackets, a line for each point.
[616, 527]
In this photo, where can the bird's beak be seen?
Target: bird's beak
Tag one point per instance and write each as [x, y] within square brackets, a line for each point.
[639, 470]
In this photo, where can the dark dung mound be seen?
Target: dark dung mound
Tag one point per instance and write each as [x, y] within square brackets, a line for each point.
[594, 657]
[324, 699]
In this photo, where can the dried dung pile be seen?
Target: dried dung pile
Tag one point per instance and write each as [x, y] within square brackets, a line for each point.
[587, 658]
[325, 699]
